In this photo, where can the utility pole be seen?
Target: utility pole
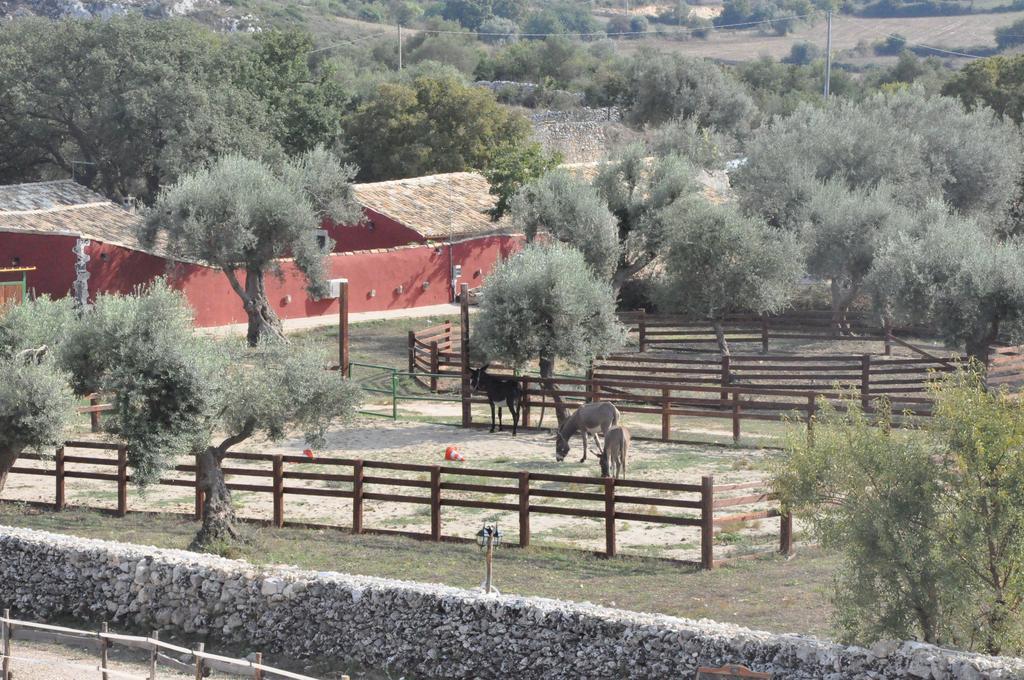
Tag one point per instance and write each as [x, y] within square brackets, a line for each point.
[399, 47]
[828, 53]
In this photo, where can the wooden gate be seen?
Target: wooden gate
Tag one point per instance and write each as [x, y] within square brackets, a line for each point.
[14, 292]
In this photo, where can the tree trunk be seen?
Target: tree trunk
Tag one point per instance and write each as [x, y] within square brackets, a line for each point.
[723, 344]
[547, 371]
[978, 344]
[842, 297]
[218, 512]
[263, 319]
[8, 457]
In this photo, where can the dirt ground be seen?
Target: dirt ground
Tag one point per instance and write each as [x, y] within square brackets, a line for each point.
[380, 439]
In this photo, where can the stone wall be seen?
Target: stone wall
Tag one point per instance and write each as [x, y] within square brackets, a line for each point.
[420, 629]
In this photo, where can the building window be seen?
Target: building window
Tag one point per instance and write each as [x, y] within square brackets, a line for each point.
[321, 239]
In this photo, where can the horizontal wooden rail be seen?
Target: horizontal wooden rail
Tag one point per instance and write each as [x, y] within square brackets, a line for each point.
[438, 487]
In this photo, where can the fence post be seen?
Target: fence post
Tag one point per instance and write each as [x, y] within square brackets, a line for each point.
[357, 497]
[199, 661]
[764, 334]
[609, 517]
[343, 361]
[786, 534]
[467, 412]
[257, 673]
[642, 325]
[435, 503]
[5, 630]
[278, 491]
[666, 415]
[153, 655]
[412, 351]
[200, 498]
[887, 328]
[865, 380]
[103, 651]
[122, 481]
[707, 522]
[526, 400]
[58, 503]
[812, 409]
[435, 365]
[726, 377]
[590, 381]
[736, 417]
[94, 416]
[524, 509]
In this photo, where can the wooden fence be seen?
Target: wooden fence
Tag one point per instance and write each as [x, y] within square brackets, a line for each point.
[523, 493]
[202, 661]
[1006, 368]
[435, 351]
[661, 332]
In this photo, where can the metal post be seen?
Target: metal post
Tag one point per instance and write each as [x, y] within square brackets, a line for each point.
[59, 473]
[278, 491]
[490, 561]
[399, 47]
[394, 395]
[122, 481]
[357, 497]
[828, 53]
[435, 503]
[257, 673]
[609, 514]
[5, 632]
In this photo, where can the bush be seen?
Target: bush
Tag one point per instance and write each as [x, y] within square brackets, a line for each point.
[929, 521]
[892, 45]
[1008, 36]
[803, 53]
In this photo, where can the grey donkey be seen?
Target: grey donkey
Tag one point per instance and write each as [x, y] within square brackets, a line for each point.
[597, 416]
[616, 450]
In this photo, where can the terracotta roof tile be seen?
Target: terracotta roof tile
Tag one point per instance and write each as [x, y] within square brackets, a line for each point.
[455, 204]
[66, 207]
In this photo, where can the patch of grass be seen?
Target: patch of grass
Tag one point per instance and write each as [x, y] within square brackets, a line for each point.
[769, 593]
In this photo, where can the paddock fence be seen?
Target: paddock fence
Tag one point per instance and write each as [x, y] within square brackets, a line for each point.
[707, 507]
[202, 662]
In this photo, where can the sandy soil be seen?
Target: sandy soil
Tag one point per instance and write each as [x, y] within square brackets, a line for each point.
[380, 439]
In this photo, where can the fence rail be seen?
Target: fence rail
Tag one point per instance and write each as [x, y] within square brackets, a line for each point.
[524, 493]
[202, 661]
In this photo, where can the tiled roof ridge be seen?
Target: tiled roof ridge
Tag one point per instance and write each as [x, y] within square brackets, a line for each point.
[58, 208]
[423, 179]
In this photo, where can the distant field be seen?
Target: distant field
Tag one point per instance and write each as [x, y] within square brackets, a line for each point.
[959, 33]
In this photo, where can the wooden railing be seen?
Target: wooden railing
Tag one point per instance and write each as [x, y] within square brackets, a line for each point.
[202, 661]
[659, 331]
[523, 493]
[434, 351]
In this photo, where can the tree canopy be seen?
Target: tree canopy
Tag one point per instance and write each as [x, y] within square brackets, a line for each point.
[431, 125]
[954, 277]
[127, 105]
[543, 304]
[929, 524]
[719, 262]
[239, 215]
[922, 146]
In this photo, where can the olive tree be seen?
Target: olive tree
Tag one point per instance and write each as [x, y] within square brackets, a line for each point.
[36, 401]
[929, 523]
[36, 408]
[546, 304]
[176, 393]
[719, 262]
[955, 278]
[924, 147]
[640, 191]
[842, 232]
[617, 222]
[571, 211]
[241, 215]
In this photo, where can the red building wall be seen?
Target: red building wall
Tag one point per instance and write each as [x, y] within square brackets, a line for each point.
[378, 279]
[376, 231]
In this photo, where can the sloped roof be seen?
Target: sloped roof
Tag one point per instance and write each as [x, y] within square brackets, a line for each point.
[66, 207]
[455, 204]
